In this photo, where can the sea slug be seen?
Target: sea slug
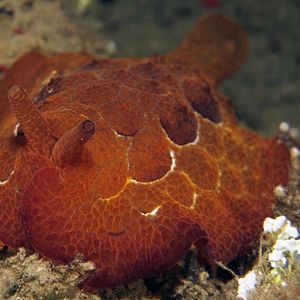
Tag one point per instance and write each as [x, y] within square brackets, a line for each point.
[132, 161]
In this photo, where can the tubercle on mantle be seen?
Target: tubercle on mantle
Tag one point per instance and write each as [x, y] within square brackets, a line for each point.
[39, 139]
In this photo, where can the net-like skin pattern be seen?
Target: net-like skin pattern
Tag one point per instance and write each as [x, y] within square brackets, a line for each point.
[142, 158]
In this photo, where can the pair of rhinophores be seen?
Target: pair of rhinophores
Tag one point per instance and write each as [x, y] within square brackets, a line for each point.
[132, 161]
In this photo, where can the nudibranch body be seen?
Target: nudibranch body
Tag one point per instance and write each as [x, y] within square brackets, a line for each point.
[132, 161]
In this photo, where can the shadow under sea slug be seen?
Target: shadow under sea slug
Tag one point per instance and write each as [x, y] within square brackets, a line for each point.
[132, 161]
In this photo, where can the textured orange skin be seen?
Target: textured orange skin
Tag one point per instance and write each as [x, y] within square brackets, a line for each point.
[215, 196]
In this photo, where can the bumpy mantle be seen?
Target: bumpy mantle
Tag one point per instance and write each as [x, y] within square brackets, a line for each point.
[132, 161]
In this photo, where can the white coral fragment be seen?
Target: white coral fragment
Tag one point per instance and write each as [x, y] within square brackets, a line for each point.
[286, 250]
[283, 258]
[280, 191]
[284, 127]
[273, 225]
[247, 284]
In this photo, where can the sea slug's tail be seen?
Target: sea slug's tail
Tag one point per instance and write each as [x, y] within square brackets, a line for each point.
[218, 45]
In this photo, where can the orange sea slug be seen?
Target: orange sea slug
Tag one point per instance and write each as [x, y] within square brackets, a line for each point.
[132, 161]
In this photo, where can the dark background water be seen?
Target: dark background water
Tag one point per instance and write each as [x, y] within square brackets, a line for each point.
[265, 91]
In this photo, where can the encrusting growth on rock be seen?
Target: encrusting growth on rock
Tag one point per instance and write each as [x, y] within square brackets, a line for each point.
[167, 168]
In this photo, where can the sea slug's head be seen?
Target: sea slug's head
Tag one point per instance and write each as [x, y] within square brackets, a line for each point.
[30, 131]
